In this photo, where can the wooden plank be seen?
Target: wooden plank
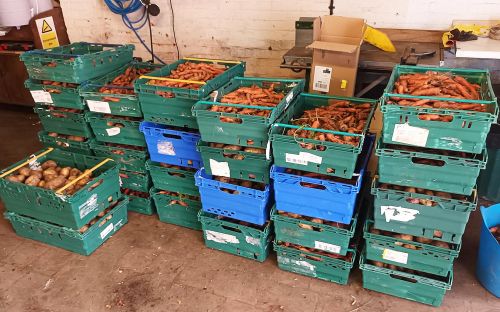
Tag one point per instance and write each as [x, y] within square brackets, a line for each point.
[413, 35]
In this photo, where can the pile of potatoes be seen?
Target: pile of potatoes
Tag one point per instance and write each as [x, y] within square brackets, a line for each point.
[253, 185]
[314, 220]
[101, 214]
[67, 137]
[411, 238]
[347, 257]
[422, 201]
[180, 196]
[52, 177]
[229, 147]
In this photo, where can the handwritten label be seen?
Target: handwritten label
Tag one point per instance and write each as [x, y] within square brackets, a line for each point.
[220, 168]
[395, 256]
[398, 213]
[113, 131]
[165, 148]
[404, 133]
[311, 157]
[221, 237]
[326, 247]
[99, 106]
[40, 96]
[107, 230]
[295, 159]
[322, 77]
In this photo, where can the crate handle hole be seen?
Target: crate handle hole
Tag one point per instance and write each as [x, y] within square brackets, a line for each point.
[93, 186]
[252, 176]
[435, 117]
[172, 136]
[428, 162]
[231, 120]
[330, 170]
[312, 185]
[231, 228]
[229, 191]
[318, 259]
[403, 278]
[419, 201]
[250, 142]
[180, 175]
[105, 220]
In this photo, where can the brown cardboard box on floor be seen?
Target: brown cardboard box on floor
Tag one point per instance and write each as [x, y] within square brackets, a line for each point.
[336, 47]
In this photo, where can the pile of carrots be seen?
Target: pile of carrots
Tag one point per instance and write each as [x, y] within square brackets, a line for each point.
[124, 80]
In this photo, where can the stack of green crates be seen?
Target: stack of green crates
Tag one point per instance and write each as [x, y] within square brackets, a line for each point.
[425, 189]
[114, 119]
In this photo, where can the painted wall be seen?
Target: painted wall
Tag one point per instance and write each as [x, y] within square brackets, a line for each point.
[259, 32]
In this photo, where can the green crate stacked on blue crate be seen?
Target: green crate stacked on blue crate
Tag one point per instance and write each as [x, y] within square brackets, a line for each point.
[234, 183]
[430, 152]
[56, 77]
[318, 186]
[64, 199]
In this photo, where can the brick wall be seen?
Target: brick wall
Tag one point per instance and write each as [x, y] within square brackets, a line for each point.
[259, 32]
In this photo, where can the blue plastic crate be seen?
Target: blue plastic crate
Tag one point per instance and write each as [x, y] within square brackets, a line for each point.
[170, 146]
[488, 268]
[332, 201]
[249, 205]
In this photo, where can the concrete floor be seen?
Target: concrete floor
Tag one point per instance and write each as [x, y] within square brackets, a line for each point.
[152, 266]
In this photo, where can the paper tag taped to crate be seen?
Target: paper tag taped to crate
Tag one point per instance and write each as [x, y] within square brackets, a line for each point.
[326, 247]
[40, 96]
[289, 98]
[222, 238]
[107, 230]
[252, 240]
[295, 159]
[34, 164]
[400, 214]
[268, 150]
[113, 131]
[304, 265]
[404, 133]
[311, 157]
[99, 106]
[322, 77]
[220, 168]
[88, 206]
[396, 256]
[165, 148]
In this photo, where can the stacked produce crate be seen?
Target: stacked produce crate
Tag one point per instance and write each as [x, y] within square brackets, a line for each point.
[114, 115]
[430, 154]
[167, 96]
[234, 184]
[320, 155]
[64, 196]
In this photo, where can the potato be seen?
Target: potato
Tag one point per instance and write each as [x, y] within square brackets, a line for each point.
[53, 134]
[408, 246]
[14, 178]
[316, 220]
[38, 173]
[305, 226]
[65, 171]
[25, 171]
[49, 164]
[32, 180]
[55, 183]
[406, 237]
[83, 181]
[441, 244]
[75, 172]
[50, 171]
[424, 240]
[41, 184]
[83, 229]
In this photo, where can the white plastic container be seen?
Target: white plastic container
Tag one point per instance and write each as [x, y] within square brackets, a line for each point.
[15, 13]
[40, 6]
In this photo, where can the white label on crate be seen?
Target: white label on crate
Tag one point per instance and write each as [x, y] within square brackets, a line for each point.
[295, 159]
[220, 168]
[34, 164]
[113, 131]
[326, 247]
[396, 256]
[252, 240]
[404, 133]
[99, 106]
[107, 230]
[221, 237]
[40, 96]
[88, 206]
[289, 98]
[268, 150]
[311, 157]
[121, 182]
[165, 148]
[322, 76]
[400, 214]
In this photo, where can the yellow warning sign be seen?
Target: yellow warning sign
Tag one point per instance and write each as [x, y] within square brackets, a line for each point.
[46, 27]
[47, 32]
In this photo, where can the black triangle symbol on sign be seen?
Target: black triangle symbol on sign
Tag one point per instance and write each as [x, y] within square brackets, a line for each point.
[46, 27]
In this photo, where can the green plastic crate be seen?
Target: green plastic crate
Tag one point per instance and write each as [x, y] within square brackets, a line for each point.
[489, 183]
[254, 129]
[392, 212]
[253, 167]
[175, 213]
[141, 205]
[63, 122]
[72, 211]
[72, 240]
[171, 179]
[321, 236]
[129, 134]
[154, 107]
[114, 104]
[315, 265]
[404, 285]
[426, 258]
[131, 159]
[458, 175]
[137, 181]
[66, 144]
[77, 62]
[234, 238]
[336, 160]
[58, 96]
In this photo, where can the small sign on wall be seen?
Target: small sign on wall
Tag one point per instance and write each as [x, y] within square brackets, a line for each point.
[47, 32]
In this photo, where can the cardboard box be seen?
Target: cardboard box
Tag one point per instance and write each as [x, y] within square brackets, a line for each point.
[336, 46]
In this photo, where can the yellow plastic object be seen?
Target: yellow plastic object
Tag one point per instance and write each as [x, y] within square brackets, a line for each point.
[478, 30]
[50, 149]
[378, 39]
[84, 174]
